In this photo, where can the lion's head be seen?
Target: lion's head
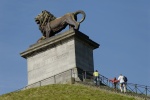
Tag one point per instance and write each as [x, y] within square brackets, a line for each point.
[44, 17]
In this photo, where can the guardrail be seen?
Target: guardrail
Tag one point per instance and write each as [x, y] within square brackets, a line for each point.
[131, 88]
[50, 80]
[134, 88]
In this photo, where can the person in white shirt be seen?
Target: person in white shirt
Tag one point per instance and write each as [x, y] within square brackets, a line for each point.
[122, 83]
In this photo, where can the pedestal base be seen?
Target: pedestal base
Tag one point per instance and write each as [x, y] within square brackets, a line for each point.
[58, 59]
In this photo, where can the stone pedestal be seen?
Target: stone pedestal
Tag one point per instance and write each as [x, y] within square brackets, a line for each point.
[59, 59]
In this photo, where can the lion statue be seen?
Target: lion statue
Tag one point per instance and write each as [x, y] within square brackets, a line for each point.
[49, 25]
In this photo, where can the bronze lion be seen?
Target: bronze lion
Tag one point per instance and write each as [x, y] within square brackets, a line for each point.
[50, 25]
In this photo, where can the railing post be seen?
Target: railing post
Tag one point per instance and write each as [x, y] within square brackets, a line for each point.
[74, 74]
[135, 88]
[107, 83]
[71, 73]
[146, 90]
[102, 79]
[99, 80]
[40, 83]
[54, 80]
[85, 74]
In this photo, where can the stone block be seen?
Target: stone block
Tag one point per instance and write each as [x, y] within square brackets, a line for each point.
[58, 58]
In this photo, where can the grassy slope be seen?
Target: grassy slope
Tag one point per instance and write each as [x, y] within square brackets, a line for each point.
[63, 92]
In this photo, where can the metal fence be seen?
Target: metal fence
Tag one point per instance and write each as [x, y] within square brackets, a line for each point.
[133, 88]
[88, 75]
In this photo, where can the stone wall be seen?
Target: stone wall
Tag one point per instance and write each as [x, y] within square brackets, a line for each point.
[71, 50]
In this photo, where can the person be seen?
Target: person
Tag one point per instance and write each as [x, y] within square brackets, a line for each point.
[96, 76]
[122, 83]
[114, 81]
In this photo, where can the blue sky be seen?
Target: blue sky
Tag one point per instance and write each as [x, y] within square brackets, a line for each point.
[121, 27]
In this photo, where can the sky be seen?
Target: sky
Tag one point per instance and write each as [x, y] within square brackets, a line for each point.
[121, 27]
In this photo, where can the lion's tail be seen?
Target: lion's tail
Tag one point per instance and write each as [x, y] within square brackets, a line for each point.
[80, 12]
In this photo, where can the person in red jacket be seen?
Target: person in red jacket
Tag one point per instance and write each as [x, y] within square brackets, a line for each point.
[114, 81]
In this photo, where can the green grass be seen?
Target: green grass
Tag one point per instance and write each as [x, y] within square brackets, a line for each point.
[64, 92]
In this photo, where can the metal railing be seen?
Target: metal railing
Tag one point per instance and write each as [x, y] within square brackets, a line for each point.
[131, 88]
[88, 75]
[50, 80]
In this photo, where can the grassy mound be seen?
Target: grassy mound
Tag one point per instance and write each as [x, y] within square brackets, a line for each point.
[64, 92]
